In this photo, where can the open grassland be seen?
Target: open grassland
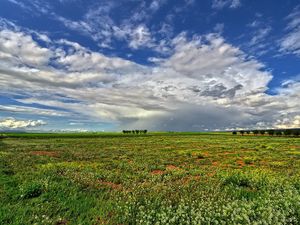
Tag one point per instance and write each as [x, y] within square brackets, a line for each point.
[161, 178]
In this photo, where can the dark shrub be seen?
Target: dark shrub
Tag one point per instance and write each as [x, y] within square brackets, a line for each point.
[296, 133]
[287, 132]
[262, 132]
[31, 190]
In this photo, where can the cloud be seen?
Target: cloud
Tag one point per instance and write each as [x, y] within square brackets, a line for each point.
[204, 83]
[75, 130]
[219, 27]
[220, 4]
[189, 2]
[32, 110]
[156, 4]
[290, 43]
[212, 64]
[259, 39]
[140, 36]
[98, 24]
[34, 7]
[260, 35]
[19, 48]
[293, 122]
[12, 123]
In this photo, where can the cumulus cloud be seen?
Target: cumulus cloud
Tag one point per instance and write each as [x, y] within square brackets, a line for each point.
[205, 83]
[284, 123]
[12, 123]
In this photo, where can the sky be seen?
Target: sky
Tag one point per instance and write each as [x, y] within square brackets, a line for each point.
[172, 65]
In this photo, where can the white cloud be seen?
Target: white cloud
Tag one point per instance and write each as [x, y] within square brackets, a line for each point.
[32, 110]
[75, 130]
[216, 67]
[205, 83]
[140, 37]
[219, 27]
[11, 123]
[156, 4]
[290, 43]
[189, 2]
[20, 4]
[293, 122]
[260, 35]
[220, 4]
[98, 24]
[19, 48]
[35, 7]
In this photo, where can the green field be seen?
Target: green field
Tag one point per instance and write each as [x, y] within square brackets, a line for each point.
[160, 178]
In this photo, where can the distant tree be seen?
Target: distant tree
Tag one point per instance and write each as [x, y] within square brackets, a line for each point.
[296, 133]
[255, 132]
[262, 132]
[287, 132]
[234, 132]
[271, 132]
[248, 132]
[242, 132]
[278, 132]
[134, 131]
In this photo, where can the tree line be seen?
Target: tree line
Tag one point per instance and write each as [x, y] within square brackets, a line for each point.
[287, 132]
[134, 131]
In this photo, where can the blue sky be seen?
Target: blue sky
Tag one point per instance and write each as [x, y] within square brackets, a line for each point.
[75, 65]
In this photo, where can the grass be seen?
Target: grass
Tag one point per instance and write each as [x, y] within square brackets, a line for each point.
[158, 178]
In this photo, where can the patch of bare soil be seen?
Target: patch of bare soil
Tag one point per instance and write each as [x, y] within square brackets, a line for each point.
[227, 153]
[240, 163]
[172, 167]
[157, 172]
[205, 154]
[189, 179]
[109, 184]
[215, 163]
[45, 153]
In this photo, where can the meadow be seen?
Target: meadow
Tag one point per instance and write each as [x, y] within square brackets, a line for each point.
[156, 178]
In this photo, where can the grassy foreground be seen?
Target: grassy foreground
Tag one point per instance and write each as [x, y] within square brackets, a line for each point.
[152, 179]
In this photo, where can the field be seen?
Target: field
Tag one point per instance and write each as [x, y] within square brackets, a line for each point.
[161, 178]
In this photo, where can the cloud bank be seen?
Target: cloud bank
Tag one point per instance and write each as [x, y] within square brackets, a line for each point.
[204, 83]
[12, 123]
